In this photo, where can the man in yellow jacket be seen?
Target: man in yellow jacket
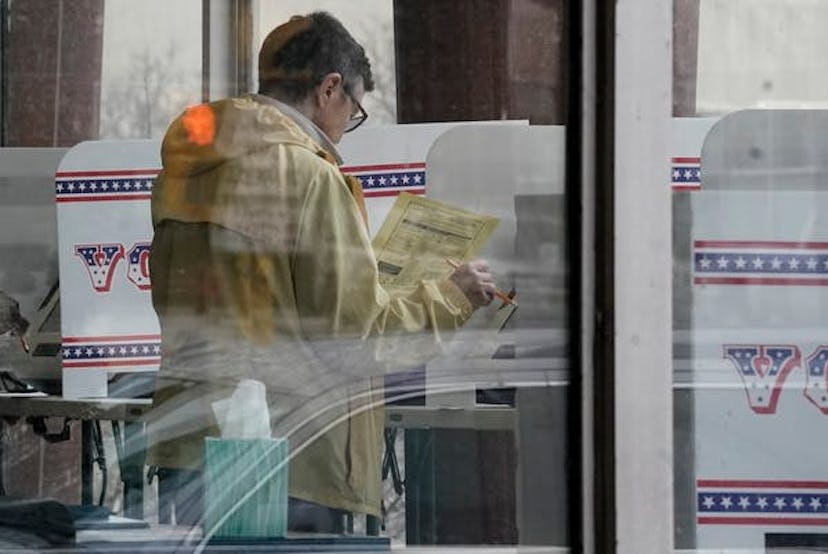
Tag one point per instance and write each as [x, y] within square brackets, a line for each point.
[262, 268]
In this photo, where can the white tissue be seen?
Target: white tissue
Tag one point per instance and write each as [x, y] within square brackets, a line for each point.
[244, 414]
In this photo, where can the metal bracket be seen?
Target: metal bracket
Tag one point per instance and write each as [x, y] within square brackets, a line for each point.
[38, 424]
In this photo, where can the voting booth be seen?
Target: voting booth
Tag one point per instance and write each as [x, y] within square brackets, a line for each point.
[750, 271]
[102, 192]
[758, 322]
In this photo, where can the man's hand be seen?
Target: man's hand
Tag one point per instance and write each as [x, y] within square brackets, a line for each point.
[476, 282]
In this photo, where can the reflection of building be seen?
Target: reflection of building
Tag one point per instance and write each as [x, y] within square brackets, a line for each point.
[51, 81]
[453, 64]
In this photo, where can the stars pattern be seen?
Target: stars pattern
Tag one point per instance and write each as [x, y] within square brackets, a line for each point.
[766, 360]
[763, 263]
[137, 251]
[686, 175]
[111, 352]
[373, 181]
[98, 186]
[817, 362]
[769, 503]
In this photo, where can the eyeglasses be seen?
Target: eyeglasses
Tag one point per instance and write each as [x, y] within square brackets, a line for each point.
[358, 117]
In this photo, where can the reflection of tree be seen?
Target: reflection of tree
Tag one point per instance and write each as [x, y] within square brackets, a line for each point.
[377, 37]
[151, 89]
[141, 101]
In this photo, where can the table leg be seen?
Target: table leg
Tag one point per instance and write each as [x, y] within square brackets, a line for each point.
[2, 457]
[132, 469]
[87, 456]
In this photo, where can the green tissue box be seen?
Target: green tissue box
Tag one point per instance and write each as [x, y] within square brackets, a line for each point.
[245, 488]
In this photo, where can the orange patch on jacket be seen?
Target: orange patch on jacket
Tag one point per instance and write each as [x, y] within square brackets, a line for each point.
[200, 124]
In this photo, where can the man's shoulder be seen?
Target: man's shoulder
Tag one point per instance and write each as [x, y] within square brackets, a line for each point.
[311, 162]
[246, 122]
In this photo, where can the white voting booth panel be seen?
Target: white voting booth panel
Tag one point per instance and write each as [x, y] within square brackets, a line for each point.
[28, 260]
[102, 191]
[760, 330]
[515, 173]
[389, 160]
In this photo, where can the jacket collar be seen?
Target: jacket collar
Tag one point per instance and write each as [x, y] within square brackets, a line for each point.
[308, 126]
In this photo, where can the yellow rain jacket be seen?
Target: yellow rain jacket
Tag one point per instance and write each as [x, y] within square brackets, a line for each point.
[262, 268]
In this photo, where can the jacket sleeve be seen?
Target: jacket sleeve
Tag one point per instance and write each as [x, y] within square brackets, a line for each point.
[338, 293]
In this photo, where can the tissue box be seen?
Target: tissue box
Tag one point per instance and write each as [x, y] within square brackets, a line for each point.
[245, 488]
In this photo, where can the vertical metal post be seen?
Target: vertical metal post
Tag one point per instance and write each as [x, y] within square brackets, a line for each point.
[2, 458]
[420, 514]
[579, 118]
[227, 48]
[132, 469]
[373, 526]
[4, 65]
[598, 194]
[87, 456]
[643, 274]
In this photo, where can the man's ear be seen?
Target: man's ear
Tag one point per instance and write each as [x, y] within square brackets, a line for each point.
[327, 87]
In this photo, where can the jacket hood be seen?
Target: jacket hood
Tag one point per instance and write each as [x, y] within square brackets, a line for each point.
[208, 135]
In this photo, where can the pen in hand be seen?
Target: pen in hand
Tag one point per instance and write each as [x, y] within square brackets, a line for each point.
[506, 298]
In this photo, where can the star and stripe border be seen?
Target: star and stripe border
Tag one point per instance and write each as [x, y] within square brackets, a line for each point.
[136, 184]
[742, 262]
[112, 351]
[685, 174]
[377, 180]
[101, 186]
[761, 502]
[389, 179]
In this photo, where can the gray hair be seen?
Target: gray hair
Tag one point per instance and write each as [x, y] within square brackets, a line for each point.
[296, 56]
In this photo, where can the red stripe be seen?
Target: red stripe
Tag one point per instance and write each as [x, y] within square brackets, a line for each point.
[762, 521]
[104, 198]
[367, 194]
[153, 172]
[110, 338]
[378, 193]
[686, 160]
[381, 167]
[759, 244]
[759, 281]
[106, 173]
[68, 364]
[720, 483]
[686, 187]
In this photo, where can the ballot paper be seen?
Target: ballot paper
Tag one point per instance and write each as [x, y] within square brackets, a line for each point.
[420, 235]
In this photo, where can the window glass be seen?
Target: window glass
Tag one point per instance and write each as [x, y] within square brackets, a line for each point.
[334, 358]
[151, 66]
[760, 55]
[108, 69]
[71, 72]
[748, 174]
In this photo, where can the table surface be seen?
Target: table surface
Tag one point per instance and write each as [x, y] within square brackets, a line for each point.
[116, 409]
[168, 538]
[131, 409]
